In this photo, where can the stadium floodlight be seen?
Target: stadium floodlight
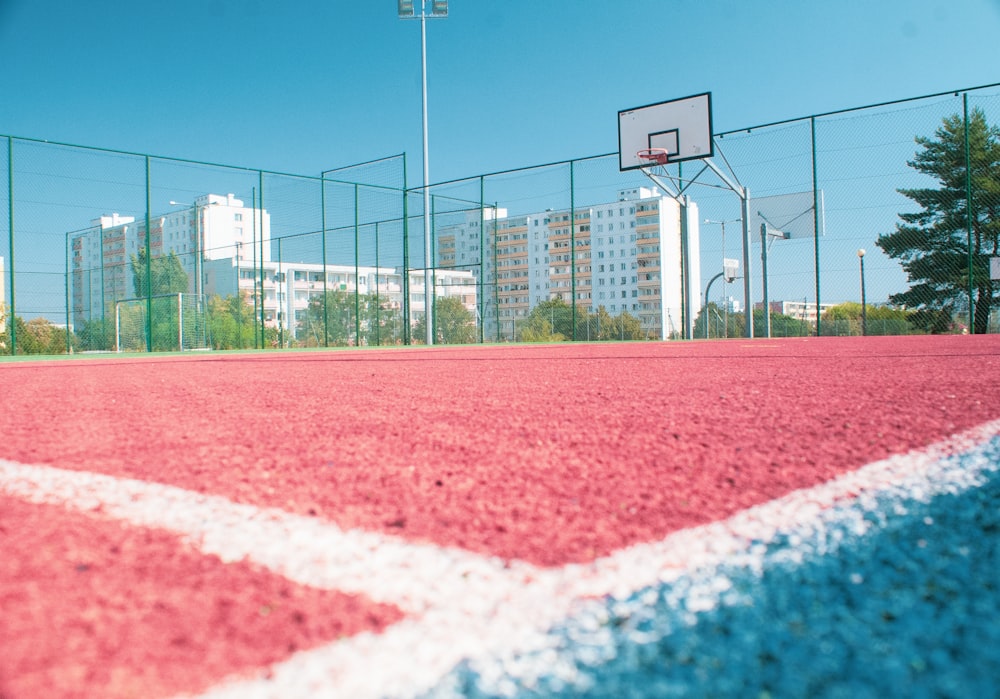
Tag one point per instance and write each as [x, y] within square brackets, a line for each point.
[439, 10]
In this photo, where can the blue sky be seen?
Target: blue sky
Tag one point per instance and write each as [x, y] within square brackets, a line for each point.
[303, 86]
[306, 85]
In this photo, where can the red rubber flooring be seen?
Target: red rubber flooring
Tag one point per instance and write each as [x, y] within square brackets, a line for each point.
[549, 454]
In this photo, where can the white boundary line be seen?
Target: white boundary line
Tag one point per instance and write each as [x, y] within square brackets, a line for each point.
[460, 605]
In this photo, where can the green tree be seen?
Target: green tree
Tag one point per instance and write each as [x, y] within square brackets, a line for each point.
[453, 323]
[713, 316]
[39, 336]
[380, 322]
[845, 319]
[538, 329]
[781, 325]
[719, 324]
[559, 316]
[231, 322]
[933, 243]
[96, 334]
[4, 329]
[549, 321]
[166, 271]
[628, 327]
[608, 328]
[328, 320]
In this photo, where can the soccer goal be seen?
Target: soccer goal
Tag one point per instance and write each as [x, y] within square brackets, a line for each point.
[171, 322]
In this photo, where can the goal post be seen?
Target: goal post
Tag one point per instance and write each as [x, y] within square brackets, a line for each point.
[178, 322]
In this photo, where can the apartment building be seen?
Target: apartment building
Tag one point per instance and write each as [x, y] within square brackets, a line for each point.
[804, 310]
[624, 255]
[213, 227]
[289, 287]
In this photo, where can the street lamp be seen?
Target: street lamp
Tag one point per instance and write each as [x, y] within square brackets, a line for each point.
[197, 245]
[439, 10]
[864, 312]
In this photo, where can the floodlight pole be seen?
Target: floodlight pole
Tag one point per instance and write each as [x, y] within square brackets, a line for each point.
[428, 291]
[439, 10]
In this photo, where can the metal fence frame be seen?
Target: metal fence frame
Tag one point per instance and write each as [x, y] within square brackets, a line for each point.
[382, 198]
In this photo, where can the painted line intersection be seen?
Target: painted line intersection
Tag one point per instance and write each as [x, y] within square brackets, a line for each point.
[461, 606]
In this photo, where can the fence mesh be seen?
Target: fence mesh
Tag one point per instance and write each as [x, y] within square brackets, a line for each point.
[103, 250]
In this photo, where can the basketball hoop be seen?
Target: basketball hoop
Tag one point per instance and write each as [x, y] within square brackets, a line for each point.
[653, 156]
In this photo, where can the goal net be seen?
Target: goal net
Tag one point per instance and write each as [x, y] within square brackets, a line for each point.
[172, 322]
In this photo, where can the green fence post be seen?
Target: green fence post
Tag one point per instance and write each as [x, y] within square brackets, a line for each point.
[322, 206]
[496, 272]
[278, 315]
[572, 249]
[10, 243]
[406, 258]
[482, 259]
[357, 275]
[104, 289]
[149, 266]
[253, 262]
[968, 208]
[812, 125]
[378, 297]
[260, 180]
[67, 293]
[431, 301]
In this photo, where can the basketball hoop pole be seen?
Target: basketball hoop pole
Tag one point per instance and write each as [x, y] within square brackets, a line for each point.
[744, 194]
[655, 135]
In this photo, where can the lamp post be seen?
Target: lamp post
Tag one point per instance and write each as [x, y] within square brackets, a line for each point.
[439, 10]
[195, 215]
[864, 307]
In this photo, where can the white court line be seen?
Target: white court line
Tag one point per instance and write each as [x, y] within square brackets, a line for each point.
[460, 605]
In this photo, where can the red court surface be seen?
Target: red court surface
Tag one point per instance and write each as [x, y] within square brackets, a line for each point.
[545, 454]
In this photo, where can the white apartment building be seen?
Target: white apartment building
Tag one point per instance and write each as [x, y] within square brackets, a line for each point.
[224, 246]
[213, 227]
[626, 256]
[289, 287]
[804, 310]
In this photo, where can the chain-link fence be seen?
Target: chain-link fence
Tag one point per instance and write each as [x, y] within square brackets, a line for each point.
[857, 223]
[110, 251]
[867, 232]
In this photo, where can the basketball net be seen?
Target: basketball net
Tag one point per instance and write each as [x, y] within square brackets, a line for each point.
[655, 169]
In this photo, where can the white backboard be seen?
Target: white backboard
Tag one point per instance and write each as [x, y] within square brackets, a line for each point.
[787, 215]
[682, 126]
[995, 268]
[730, 268]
